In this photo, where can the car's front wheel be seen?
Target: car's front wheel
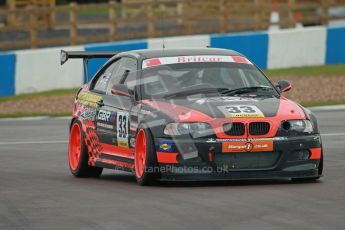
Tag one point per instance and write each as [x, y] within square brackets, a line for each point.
[146, 169]
[78, 154]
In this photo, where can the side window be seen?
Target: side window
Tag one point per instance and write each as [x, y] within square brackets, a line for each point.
[102, 81]
[126, 69]
[130, 73]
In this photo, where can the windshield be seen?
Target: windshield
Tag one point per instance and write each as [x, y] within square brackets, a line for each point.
[215, 78]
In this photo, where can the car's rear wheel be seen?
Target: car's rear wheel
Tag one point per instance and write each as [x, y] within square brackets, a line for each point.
[78, 154]
[146, 170]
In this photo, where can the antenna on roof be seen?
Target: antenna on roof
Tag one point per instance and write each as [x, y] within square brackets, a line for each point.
[208, 46]
[163, 43]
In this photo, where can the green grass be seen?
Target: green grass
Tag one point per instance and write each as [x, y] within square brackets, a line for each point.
[98, 11]
[325, 70]
[17, 115]
[57, 92]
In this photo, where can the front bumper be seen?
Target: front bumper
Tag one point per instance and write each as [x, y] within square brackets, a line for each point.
[211, 163]
[243, 175]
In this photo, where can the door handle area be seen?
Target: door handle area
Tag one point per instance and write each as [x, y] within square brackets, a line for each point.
[100, 103]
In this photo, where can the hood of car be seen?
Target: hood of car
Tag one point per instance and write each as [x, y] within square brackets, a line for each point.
[202, 109]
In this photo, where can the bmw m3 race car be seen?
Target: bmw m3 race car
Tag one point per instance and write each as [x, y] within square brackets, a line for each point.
[195, 114]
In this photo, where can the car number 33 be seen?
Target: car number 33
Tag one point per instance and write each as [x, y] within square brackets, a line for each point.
[241, 111]
[122, 129]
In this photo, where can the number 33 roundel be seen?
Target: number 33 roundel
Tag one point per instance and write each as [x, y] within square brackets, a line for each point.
[122, 129]
[241, 111]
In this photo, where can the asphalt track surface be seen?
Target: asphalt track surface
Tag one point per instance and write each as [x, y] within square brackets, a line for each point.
[37, 190]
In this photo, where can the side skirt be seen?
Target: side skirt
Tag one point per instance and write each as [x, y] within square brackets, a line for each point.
[115, 162]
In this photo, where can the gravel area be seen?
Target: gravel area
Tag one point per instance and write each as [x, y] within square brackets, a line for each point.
[39, 105]
[305, 89]
[314, 88]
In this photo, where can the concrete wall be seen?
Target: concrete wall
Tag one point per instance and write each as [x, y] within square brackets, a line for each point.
[39, 70]
[335, 46]
[301, 47]
[181, 42]
[253, 45]
[117, 46]
[7, 74]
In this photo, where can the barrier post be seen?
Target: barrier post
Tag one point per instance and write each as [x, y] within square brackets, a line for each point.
[33, 26]
[52, 13]
[179, 9]
[151, 19]
[11, 17]
[187, 15]
[124, 12]
[112, 21]
[291, 13]
[257, 15]
[275, 17]
[222, 17]
[325, 15]
[73, 23]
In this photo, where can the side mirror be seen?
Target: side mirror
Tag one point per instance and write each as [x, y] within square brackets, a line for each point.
[284, 86]
[121, 90]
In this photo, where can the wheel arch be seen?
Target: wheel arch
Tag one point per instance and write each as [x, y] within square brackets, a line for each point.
[71, 123]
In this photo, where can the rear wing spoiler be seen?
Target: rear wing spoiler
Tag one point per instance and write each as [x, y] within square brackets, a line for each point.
[85, 55]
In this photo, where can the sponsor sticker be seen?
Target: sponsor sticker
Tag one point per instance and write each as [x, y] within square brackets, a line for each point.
[165, 146]
[122, 129]
[87, 113]
[249, 139]
[241, 111]
[106, 126]
[201, 101]
[254, 146]
[193, 59]
[106, 116]
[132, 142]
[88, 99]
[230, 99]
[211, 140]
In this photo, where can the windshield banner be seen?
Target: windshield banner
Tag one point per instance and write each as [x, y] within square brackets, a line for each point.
[193, 59]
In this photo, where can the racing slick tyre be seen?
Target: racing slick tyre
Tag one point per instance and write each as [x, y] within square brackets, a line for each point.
[145, 161]
[78, 154]
[320, 170]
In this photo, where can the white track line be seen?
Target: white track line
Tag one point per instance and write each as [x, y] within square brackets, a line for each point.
[332, 134]
[327, 108]
[33, 142]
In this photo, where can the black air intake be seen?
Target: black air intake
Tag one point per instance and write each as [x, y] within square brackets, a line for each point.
[259, 128]
[234, 129]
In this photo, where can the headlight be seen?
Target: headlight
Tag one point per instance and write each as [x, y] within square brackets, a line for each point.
[302, 126]
[197, 129]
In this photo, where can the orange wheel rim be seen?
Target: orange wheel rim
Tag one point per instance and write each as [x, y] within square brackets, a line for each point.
[140, 154]
[74, 149]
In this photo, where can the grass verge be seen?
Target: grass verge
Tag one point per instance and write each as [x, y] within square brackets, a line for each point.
[57, 92]
[325, 70]
[17, 115]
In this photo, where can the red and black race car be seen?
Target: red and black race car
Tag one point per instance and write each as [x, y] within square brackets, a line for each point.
[196, 114]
